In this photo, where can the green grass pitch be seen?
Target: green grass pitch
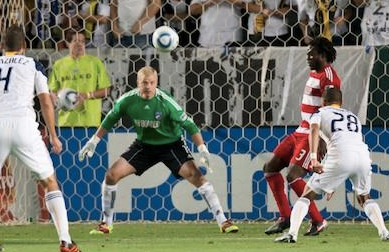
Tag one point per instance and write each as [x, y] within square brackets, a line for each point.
[190, 237]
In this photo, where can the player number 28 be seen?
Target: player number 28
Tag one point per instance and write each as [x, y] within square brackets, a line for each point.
[352, 123]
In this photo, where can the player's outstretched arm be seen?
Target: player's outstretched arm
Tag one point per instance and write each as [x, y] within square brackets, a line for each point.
[90, 147]
[48, 115]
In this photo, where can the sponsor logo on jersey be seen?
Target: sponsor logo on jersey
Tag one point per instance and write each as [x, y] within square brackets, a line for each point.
[147, 124]
[158, 115]
[75, 77]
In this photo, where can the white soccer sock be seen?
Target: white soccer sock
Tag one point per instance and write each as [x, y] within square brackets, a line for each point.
[108, 201]
[373, 211]
[56, 206]
[299, 211]
[209, 195]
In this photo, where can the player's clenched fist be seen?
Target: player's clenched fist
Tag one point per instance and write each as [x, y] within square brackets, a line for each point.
[89, 148]
[56, 145]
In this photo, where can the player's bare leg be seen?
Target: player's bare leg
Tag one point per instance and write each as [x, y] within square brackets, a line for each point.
[120, 169]
[56, 206]
[192, 174]
[295, 179]
[276, 183]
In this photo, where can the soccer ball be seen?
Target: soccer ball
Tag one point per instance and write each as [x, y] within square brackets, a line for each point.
[165, 39]
[67, 99]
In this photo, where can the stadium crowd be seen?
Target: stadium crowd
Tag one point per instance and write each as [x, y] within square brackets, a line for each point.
[205, 23]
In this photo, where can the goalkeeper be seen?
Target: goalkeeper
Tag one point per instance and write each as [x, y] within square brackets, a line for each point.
[158, 121]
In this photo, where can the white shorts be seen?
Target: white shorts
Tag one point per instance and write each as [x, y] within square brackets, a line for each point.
[21, 138]
[355, 165]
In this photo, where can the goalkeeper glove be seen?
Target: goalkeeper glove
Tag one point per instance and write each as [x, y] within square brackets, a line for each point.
[89, 148]
[204, 154]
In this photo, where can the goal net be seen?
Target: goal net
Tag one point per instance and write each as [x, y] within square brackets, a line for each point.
[245, 100]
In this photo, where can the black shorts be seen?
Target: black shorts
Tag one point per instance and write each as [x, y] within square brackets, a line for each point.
[143, 156]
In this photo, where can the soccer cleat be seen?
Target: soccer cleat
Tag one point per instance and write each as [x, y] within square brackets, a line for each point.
[102, 228]
[228, 227]
[68, 247]
[286, 238]
[316, 228]
[279, 226]
[384, 237]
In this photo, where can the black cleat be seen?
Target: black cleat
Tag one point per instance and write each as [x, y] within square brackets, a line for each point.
[316, 228]
[279, 226]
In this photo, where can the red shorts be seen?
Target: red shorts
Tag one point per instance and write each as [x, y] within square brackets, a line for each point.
[294, 149]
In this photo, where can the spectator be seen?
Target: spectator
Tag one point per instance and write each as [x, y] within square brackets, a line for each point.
[176, 14]
[268, 23]
[133, 22]
[220, 21]
[87, 75]
[375, 24]
[44, 33]
[96, 15]
[375, 38]
[70, 18]
[324, 18]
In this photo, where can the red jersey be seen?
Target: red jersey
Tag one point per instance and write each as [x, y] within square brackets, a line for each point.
[313, 91]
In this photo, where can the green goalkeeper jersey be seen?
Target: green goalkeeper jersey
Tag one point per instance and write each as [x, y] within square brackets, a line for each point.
[159, 120]
[85, 74]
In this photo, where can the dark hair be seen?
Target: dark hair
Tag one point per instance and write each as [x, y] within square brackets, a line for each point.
[14, 38]
[324, 47]
[332, 95]
[71, 32]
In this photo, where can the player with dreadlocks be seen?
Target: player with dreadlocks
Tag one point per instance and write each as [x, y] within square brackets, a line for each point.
[293, 151]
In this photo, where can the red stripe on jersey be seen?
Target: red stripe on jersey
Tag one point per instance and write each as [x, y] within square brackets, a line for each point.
[309, 108]
[317, 92]
[315, 86]
[313, 91]
[304, 124]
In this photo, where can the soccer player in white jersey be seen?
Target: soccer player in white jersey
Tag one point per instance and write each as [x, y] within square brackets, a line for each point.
[345, 140]
[20, 79]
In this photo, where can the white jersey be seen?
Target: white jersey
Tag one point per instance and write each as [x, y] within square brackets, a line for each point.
[375, 23]
[220, 24]
[342, 128]
[129, 12]
[347, 155]
[19, 134]
[20, 79]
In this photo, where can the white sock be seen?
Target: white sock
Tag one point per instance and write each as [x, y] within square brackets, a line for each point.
[56, 206]
[108, 201]
[374, 213]
[299, 211]
[210, 197]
